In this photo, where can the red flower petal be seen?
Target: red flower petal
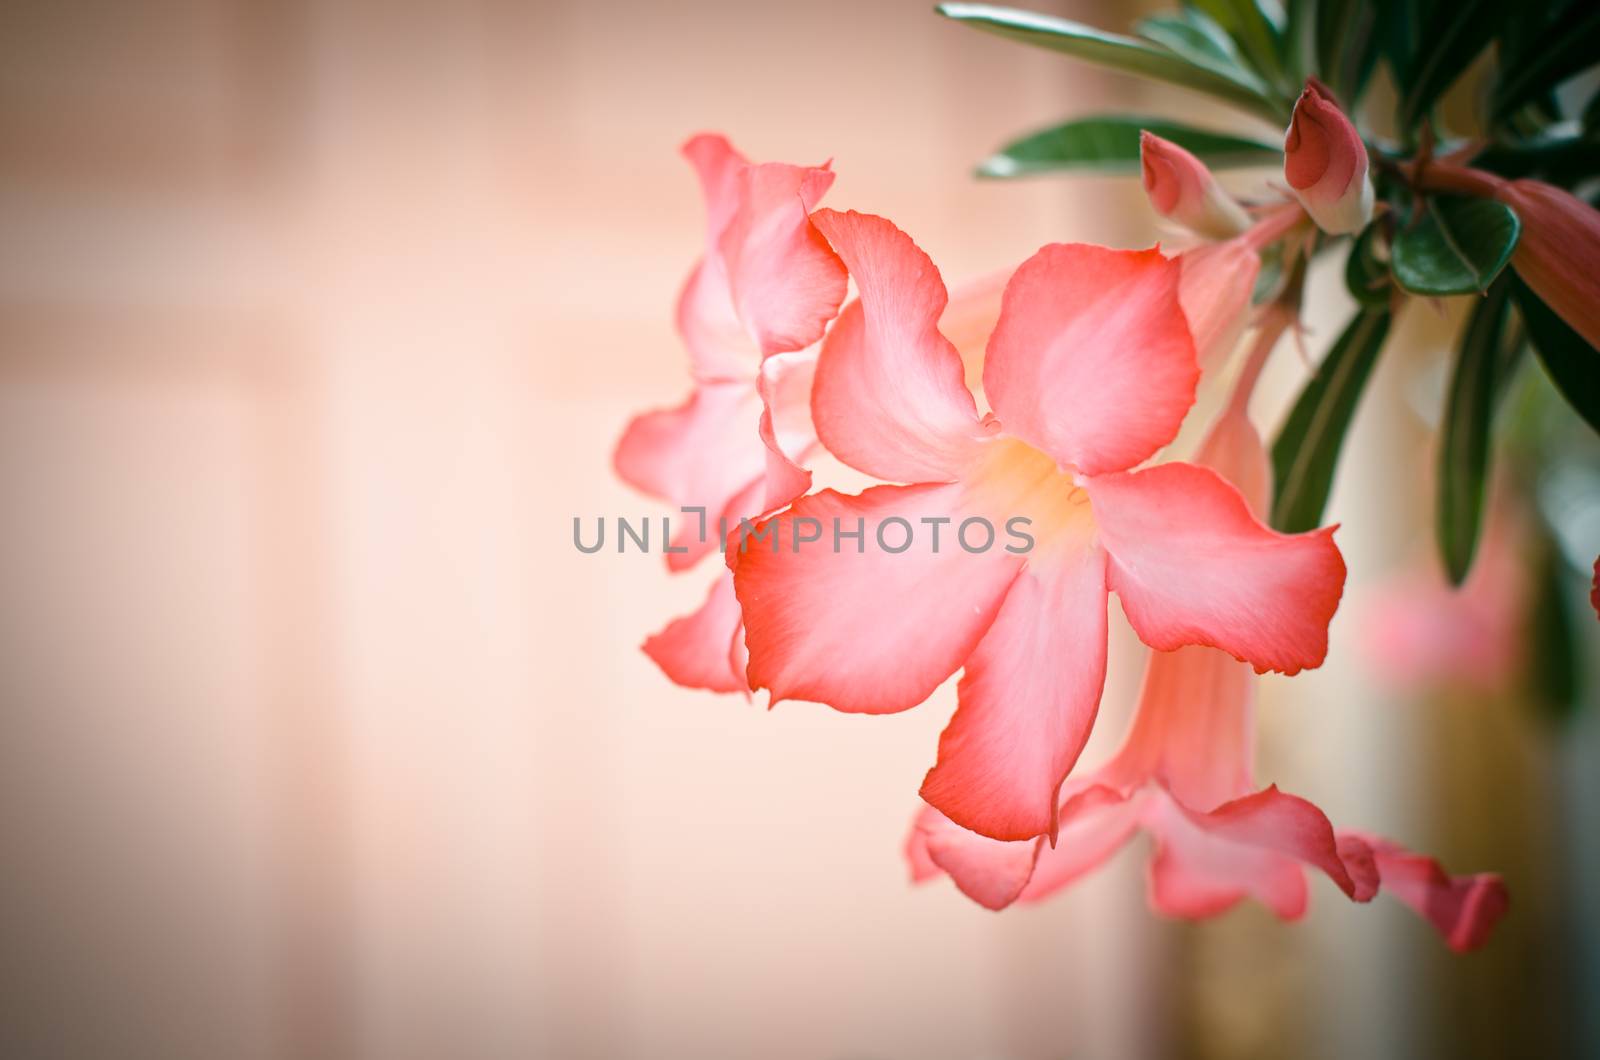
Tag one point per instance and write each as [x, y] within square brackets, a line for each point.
[1191, 565]
[889, 397]
[872, 631]
[1028, 701]
[1092, 359]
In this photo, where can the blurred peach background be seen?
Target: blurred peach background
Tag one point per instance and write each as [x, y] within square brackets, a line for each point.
[317, 323]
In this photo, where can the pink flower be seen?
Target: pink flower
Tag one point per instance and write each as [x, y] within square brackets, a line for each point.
[1325, 163]
[766, 287]
[1184, 776]
[1089, 371]
[1419, 633]
[1558, 254]
[1182, 189]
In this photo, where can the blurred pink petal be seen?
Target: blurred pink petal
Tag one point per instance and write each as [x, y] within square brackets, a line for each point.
[695, 650]
[1420, 634]
[1558, 254]
[766, 288]
[705, 453]
[768, 283]
[1217, 283]
[988, 871]
[1464, 909]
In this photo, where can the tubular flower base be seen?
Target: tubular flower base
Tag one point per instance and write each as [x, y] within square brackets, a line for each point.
[1089, 371]
[1183, 777]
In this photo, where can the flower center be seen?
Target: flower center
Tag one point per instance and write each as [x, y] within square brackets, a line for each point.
[1014, 479]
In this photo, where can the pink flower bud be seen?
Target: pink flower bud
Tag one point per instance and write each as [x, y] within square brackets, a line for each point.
[1325, 163]
[1559, 252]
[1182, 189]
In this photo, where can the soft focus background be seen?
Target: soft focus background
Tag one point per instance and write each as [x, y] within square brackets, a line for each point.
[317, 323]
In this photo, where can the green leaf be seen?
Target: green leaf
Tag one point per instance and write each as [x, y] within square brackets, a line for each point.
[1464, 436]
[1201, 41]
[1109, 143]
[1454, 34]
[1572, 364]
[1397, 37]
[1552, 637]
[1127, 54]
[1558, 155]
[1567, 46]
[1457, 246]
[1307, 449]
[1365, 274]
[1259, 39]
[1342, 29]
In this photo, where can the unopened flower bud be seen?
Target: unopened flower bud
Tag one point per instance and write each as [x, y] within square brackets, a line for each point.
[1182, 189]
[1325, 163]
[1558, 254]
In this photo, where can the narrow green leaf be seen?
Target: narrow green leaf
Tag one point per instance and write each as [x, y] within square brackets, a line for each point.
[1464, 435]
[1200, 41]
[1365, 274]
[1109, 143]
[1127, 54]
[1457, 246]
[1567, 46]
[1398, 37]
[1342, 29]
[1258, 38]
[1553, 648]
[1572, 364]
[1454, 34]
[1306, 452]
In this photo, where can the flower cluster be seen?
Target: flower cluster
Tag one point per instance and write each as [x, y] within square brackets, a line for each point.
[1042, 398]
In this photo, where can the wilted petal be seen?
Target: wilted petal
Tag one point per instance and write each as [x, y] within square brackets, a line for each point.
[889, 397]
[1191, 565]
[1092, 360]
[872, 631]
[1027, 702]
[695, 650]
